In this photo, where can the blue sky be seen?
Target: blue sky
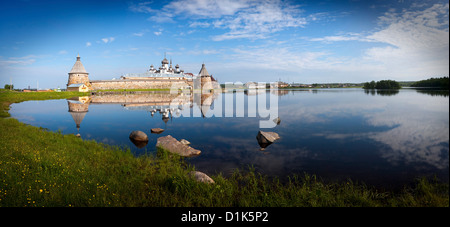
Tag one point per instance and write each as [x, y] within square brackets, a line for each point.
[315, 41]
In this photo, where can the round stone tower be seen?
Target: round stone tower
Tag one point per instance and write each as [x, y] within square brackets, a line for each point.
[205, 78]
[78, 107]
[78, 74]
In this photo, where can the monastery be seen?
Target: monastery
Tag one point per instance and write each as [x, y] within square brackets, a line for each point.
[165, 77]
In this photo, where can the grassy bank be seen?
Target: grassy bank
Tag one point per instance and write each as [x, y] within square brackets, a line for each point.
[8, 97]
[42, 168]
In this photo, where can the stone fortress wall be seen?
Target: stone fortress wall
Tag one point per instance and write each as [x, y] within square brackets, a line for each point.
[165, 78]
[135, 84]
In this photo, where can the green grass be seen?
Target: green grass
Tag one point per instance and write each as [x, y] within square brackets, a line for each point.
[8, 97]
[42, 168]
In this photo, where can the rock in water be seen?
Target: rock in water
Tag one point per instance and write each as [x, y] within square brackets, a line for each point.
[138, 136]
[174, 146]
[267, 137]
[277, 120]
[201, 177]
[157, 130]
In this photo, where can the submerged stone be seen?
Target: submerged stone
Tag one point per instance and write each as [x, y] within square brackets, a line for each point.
[138, 136]
[157, 130]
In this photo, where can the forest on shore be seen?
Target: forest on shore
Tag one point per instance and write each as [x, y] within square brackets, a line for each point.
[441, 82]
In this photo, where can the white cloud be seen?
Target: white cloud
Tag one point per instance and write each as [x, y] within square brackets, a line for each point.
[206, 8]
[17, 62]
[88, 44]
[346, 37]
[26, 60]
[139, 34]
[162, 17]
[418, 42]
[416, 30]
[251, 19]
[203, 52]
[157, 33]
[141, 7]
[108, 40]
[199, 24]
[62, 52]
[410, 45]
[159, 16]
[259, 20]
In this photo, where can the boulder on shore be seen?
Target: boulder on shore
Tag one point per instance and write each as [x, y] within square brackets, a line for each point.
[138, 136]
[157, 130]
[201, 177]
[174, 146]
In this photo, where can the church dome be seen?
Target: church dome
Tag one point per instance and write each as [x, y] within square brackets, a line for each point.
[165, 61]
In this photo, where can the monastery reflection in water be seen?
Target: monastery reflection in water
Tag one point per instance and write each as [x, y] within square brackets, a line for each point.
[165, 103]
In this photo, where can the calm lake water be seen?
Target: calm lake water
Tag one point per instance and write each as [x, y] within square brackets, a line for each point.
[385, 139]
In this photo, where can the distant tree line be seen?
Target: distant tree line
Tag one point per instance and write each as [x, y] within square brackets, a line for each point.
[9, 86]
[382, 84]
[441, 82]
